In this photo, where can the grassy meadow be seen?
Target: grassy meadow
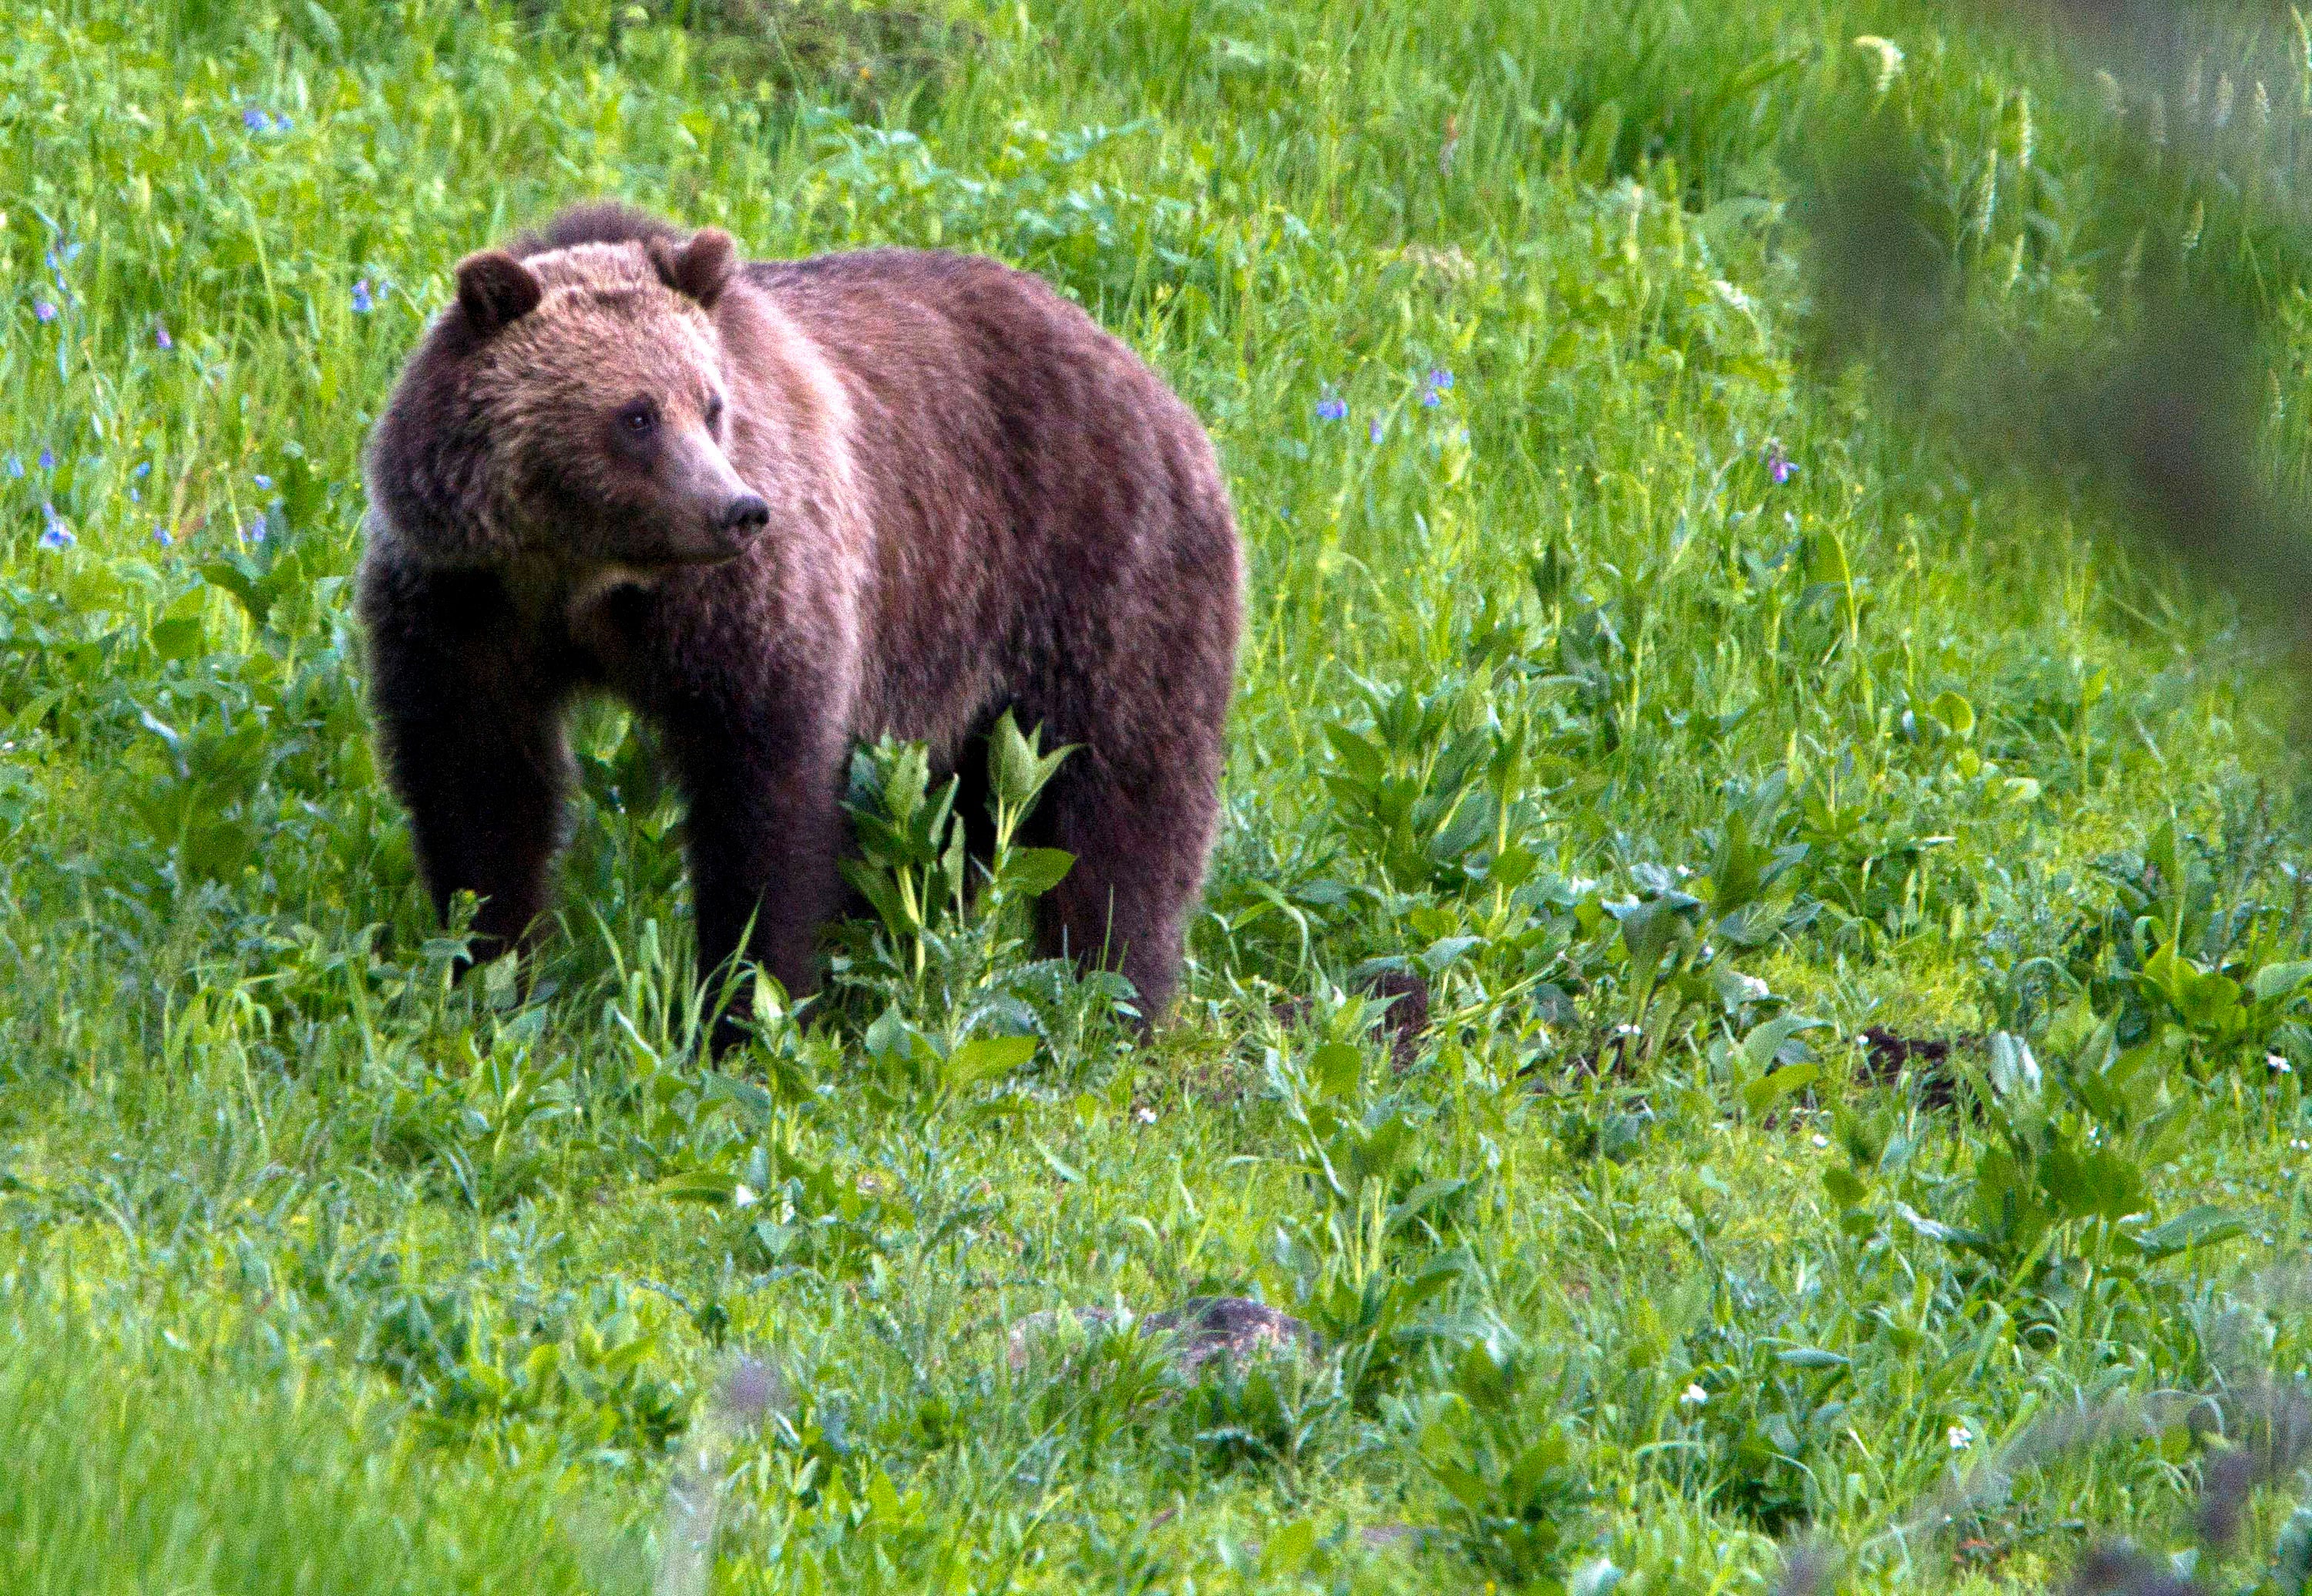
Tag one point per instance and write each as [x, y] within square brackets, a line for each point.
[1860, 894]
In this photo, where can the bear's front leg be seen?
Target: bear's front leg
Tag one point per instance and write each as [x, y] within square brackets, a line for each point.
[471, 730]
[764, 829]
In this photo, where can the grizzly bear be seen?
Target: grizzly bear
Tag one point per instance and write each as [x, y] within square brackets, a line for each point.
[778, 507]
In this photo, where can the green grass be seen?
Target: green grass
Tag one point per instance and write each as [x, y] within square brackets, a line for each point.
[316, 1275]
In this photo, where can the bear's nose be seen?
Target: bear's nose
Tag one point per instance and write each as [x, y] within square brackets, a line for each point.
[746, 513]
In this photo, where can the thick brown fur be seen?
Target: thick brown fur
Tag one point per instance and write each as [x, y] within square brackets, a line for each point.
[934, 489]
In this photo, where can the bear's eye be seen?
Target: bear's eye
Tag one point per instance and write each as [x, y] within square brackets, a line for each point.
[713, 411]
[639, 419]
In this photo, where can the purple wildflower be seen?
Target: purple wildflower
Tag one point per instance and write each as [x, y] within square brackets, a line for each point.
[1439, 379]
[144, 469]
[282, 124]
[56, 534]
[161, 535]
[47, 460]
[363, 303]
[1373, 430]
[1332, 407]
[259, 528]
[254, 120]
[160, 338]
[1430, 398]
[134, 498]
[1778, 464]
[16, 465]
[44, 310]
[262, 480]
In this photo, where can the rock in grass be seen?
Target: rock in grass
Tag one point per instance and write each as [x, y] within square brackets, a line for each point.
[1233, 1329]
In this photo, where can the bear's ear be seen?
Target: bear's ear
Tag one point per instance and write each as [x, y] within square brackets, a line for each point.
[700, 268]
[493, 288]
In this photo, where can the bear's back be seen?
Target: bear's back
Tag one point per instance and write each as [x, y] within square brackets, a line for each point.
[990, 370]
[1026, 478]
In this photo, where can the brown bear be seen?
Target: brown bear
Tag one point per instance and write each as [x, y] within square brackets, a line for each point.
[777, 506]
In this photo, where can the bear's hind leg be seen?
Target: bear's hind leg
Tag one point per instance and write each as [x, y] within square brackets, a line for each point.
[1140, 838]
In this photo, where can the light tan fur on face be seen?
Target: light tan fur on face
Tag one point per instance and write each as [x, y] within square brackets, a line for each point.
[607, 330]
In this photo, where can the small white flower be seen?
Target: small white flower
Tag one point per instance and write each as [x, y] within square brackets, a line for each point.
[742, 1195]
[1820, 1140]
[1694, 1396]
[2277, 1065]
[1960, 1437]
[1145, 1116]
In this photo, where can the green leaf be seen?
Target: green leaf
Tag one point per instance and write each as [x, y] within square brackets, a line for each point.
[1954, 711]
[1950, 1235]
[1648, 929]
[751, 1100]
[325, 30]
[2203, 1226]
[697, 1186]
[1762, 1048]
[1764, 1093]
[876, 887]
[1336, 1068]
[1846, 1188]
[242, 586]
[1361, 758]
[1427, 1195]
[1598, 143]
[180, 634]
[218, 848]
[1033, 872]
[2280, 980]
[2013, 1070]
[1445, 951]
[1813, 1357]
[985, 1057]
[1287, 1550]
[1067, 1171]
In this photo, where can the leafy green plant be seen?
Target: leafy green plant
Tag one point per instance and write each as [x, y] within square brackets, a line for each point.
[1369, 1270]
[2198, 970]
[1680, 945]
[2057, 1200]
[1262, 1412]
[1428, 789]
[1517, 1499]
[912, 866]
[576, 1364]
[942, 955]
[1772, 1413]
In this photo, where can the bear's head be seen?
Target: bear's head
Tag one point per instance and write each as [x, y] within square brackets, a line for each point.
[573, 405]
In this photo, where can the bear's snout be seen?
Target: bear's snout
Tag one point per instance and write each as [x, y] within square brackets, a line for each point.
[745, 514]
[715, 514]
